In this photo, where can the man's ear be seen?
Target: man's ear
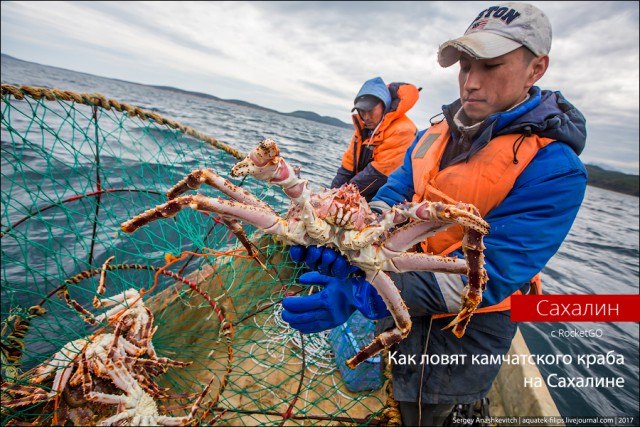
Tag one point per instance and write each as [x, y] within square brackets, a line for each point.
[537, 67]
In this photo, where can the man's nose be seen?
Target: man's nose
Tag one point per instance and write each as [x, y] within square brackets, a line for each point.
[471, 81]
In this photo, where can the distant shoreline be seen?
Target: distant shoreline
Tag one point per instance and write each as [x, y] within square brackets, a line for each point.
[598, 177]
[307, 115]
[614, 181]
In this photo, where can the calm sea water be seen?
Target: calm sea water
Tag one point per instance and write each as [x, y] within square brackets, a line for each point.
[600, 255]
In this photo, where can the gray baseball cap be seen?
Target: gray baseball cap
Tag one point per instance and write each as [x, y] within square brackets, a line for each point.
[372, 91]
[366, 103]
[498, 30]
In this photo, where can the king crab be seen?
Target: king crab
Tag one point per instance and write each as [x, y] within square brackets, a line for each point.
[341, 218]
[114, 358]
[136, 406]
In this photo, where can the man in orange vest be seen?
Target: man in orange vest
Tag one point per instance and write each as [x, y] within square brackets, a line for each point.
[382, 135]
[505, 146]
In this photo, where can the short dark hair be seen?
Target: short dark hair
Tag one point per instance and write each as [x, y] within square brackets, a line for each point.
[528, 55]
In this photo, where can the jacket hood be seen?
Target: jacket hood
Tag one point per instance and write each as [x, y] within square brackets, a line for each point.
[403, 97]
[546, 113]
[376, 87]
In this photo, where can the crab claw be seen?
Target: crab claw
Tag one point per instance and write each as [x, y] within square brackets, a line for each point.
[460, 322]
[262, 162]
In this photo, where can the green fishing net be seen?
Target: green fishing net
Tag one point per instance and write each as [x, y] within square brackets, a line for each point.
[74, 167]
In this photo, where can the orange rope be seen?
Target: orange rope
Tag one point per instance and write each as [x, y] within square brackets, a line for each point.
[211, 252]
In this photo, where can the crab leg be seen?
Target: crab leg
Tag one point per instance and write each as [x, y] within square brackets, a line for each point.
[410, 234]
[30, 395]
[61, 363]
[391, 297]
[116, 376]
[412, 261]
[120, 302]
[138, 335]
[431, 218]
[472, 294]
[264, 219]
[177, 421]
[86, 315]
[393, 249]
[150, 387]
[123, 300]
[463, 214]
[472, 246]
[103, 282]
[238, 231]
[196, 178]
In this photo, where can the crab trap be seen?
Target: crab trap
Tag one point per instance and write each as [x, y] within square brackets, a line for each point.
[173, 324]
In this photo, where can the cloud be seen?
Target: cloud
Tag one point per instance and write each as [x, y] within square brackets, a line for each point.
[315, 55]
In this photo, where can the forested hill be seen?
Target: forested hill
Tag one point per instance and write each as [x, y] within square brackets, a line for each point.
[614, 181]
[307, 115]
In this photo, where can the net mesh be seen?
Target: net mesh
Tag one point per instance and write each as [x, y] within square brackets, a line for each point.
[74, 167]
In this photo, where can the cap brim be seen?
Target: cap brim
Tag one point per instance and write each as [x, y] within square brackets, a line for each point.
[366, 104]
[481, 45]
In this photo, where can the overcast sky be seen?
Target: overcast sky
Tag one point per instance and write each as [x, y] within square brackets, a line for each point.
[314, 56]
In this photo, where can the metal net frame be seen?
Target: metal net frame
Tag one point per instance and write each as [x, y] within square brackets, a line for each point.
[74, 167]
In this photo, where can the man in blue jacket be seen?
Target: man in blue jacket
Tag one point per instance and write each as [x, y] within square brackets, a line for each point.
[507, 147]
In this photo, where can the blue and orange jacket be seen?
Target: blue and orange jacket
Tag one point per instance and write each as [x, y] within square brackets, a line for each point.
[369, 159]
[534, 149]
[529, 157]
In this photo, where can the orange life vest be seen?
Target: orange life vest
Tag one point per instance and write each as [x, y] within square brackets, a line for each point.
[393, 137]
[484, 181]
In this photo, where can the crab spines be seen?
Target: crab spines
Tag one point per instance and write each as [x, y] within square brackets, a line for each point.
[196, 178]
[469, 217]
[394, 302]
[193, 181]
[464, 214]
[163, 211]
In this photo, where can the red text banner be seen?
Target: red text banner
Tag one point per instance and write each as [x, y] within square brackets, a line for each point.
[575, 308]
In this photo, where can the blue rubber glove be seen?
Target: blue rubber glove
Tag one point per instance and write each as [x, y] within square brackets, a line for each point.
[333, 305]
[322, 259]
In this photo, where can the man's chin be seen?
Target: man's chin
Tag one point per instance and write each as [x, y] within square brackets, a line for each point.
[475, 115]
